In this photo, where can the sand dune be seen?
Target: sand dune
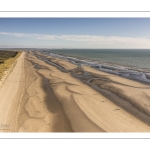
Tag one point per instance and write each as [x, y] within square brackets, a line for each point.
[40, 97]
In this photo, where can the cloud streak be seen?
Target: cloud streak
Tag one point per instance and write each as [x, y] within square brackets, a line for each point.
[90, 39]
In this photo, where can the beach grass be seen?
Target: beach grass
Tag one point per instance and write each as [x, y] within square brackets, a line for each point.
[7, 59]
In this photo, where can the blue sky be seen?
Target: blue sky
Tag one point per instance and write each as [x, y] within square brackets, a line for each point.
[75, 32]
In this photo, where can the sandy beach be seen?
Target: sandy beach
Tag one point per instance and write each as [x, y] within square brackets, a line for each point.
[47, 94]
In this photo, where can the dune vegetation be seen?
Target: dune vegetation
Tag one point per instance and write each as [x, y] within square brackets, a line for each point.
[7, 58]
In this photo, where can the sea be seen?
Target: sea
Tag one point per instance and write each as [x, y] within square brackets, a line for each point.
[130, 63]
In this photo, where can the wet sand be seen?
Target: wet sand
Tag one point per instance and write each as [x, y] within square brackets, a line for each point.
[53, 95]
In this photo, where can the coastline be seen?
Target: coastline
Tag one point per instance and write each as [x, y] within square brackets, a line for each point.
[55, 95]
[126, 71]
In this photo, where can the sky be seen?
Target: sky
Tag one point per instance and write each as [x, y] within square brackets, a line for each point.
[75, 33]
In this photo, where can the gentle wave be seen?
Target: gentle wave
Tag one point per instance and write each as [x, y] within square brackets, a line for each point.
[123, 71]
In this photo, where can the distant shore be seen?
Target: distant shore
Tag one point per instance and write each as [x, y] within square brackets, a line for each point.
[54, 95]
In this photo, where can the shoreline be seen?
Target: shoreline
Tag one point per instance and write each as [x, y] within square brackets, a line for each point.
[141, 75]
[98, 61]
[54, 95]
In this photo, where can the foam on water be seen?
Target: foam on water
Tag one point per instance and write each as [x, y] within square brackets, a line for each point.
[130, 72]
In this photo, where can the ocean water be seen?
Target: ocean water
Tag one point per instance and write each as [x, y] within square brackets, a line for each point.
[129, 63]
[127, 57]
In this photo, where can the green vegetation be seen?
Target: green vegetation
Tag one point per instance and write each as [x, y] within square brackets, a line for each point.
[7, 58]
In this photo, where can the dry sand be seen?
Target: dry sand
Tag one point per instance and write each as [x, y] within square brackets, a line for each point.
[8, 91]
[38, 97]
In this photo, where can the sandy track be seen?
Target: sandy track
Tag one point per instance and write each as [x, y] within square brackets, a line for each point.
[8, 92]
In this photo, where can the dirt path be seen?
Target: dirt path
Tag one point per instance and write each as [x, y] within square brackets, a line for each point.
[8, 92]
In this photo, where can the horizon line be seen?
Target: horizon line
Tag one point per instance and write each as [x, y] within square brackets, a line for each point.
[69, 48]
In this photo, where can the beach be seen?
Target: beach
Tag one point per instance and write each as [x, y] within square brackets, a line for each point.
[48, 94]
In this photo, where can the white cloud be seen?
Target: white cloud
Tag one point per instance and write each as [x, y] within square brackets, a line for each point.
[89, 39]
